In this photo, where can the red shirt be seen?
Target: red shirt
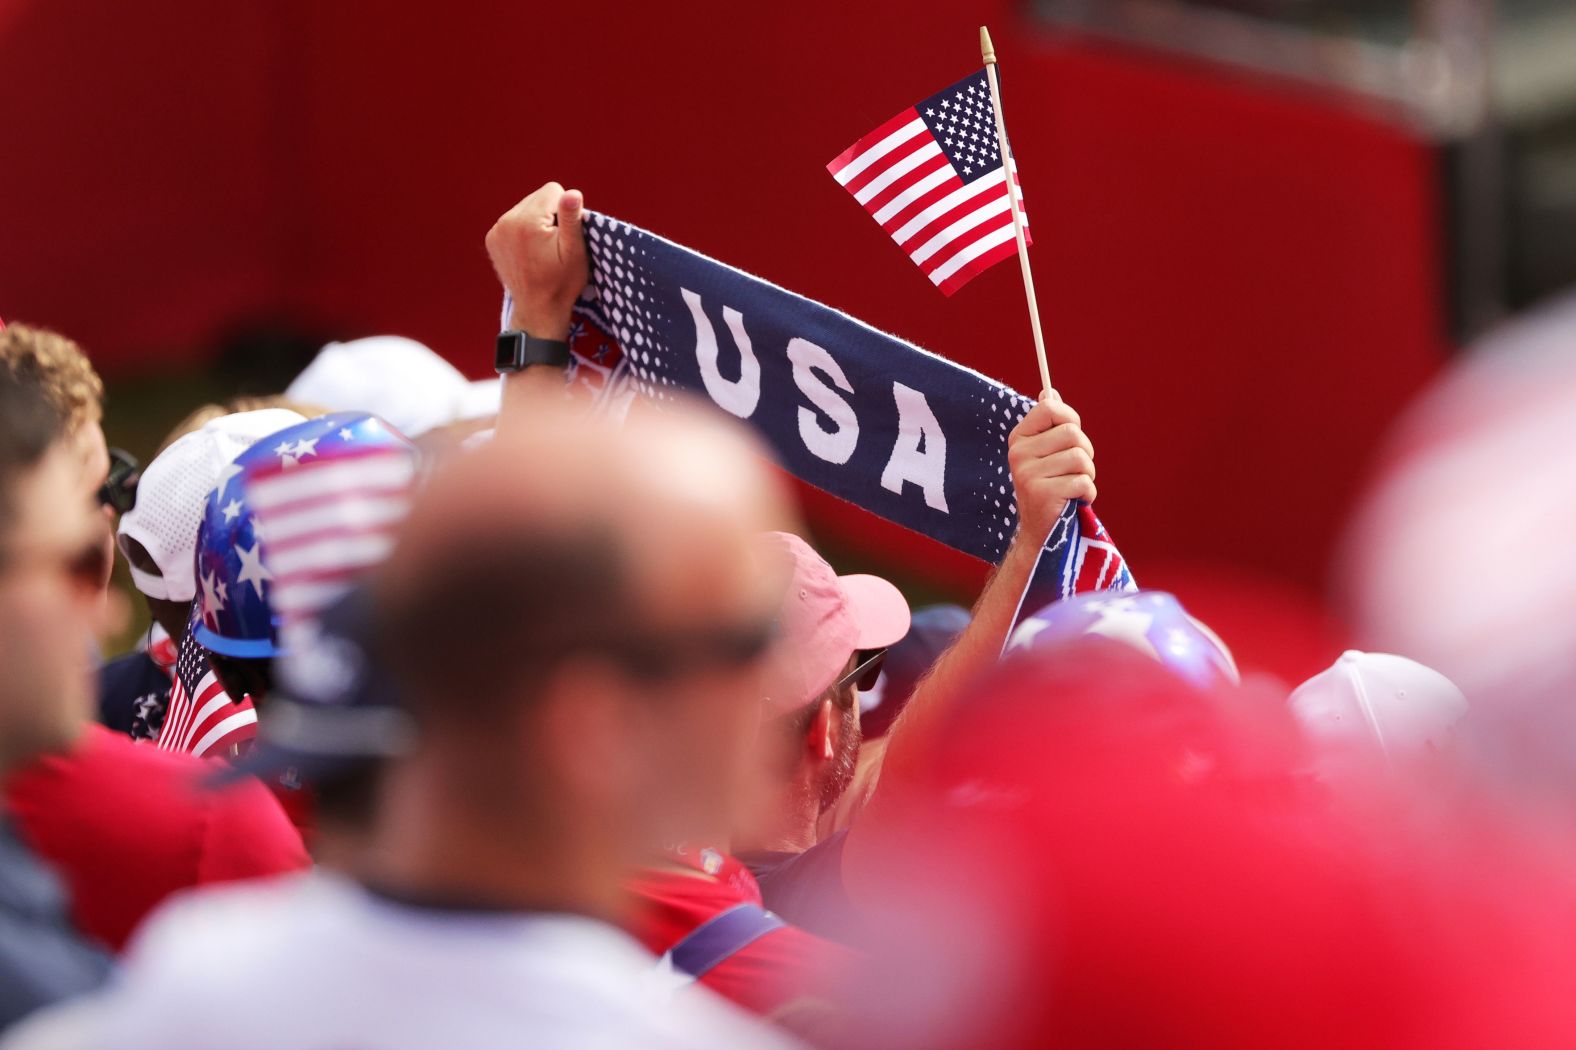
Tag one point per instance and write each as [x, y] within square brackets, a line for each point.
[126, 825]
[787, 976]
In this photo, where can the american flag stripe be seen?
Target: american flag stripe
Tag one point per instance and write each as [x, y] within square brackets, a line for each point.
[371, 471]
[933, 178]
[309, 523]
[229, 731]
[967, 221]
[201, 719]
[956, 202]
[326, 522]
[856, 158]
[987, 248]
[899, 205]
[209, 709]
[328, 552]
[888, 176]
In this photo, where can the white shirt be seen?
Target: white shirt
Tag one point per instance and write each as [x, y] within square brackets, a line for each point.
[316, 962]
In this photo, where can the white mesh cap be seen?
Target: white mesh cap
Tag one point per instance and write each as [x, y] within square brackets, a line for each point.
[397, 379]
[174, 488]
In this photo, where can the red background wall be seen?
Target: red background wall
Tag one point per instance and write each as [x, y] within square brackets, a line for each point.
[1238, 278]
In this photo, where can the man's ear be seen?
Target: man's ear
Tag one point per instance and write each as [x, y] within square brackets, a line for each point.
[818, 741]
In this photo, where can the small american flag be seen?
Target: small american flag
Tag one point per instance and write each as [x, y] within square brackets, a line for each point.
[1078, 557]
[324, 522]
[201, 719]
[933, 177]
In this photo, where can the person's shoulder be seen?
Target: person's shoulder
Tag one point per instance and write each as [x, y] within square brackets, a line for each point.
[196, 969]
[153, 780]
[103, 752]
[596, 986]
[100, 765]
[790, 945]
[697, 1017]
[223, 940]
[788, 975]
[243, 918]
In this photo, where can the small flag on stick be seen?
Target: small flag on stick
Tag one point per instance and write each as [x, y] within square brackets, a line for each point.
[933, 176]
[940, 178]
[201, 719]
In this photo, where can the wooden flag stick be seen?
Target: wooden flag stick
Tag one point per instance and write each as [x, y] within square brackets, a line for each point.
[989, 54]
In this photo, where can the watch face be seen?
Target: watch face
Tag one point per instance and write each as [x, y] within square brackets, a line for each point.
[504, 357]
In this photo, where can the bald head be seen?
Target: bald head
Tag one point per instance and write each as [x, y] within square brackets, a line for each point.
[568, 532]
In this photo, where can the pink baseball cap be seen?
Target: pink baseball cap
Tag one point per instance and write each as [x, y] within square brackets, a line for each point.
[825, 619]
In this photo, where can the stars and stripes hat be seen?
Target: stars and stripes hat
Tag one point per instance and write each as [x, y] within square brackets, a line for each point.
[825, 619]
[174, 489]
[291, 521]
[1153, 623]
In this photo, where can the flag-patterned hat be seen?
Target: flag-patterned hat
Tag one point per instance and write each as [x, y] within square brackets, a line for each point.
[1152, 622]
[238, 555]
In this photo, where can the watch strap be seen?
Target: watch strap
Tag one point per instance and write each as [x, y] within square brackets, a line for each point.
[519, 350]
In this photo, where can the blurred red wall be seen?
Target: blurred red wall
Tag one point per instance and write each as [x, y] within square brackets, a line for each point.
[1238, 278]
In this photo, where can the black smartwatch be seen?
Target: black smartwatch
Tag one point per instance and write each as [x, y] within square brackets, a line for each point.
[518, 351]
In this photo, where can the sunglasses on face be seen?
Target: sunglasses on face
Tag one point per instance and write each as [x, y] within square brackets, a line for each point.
[119, 490]
[86, 567]
[867, 668]
[673, 654]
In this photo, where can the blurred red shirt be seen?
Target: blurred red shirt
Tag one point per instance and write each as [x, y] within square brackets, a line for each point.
[787, 976]
[125, 825]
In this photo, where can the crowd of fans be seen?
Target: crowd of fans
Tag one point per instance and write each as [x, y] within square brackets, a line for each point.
[505, 722]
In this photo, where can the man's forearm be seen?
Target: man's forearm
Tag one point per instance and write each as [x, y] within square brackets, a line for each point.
[537, 249]
[525, 391]
[976, 648]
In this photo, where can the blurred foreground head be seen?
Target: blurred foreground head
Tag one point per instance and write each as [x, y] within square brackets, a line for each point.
[1461, 556]
[576, 614]
[1105, 855]
[53, 552]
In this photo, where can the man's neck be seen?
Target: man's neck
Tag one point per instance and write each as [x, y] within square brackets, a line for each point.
[794, 828]
[430, 846]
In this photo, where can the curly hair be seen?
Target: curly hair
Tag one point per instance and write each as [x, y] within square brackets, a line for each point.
[57, 369]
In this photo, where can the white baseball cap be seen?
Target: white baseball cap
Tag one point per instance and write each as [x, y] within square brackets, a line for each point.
[481, 399]
[1384, 704]
[399, 380]
[172, 492]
